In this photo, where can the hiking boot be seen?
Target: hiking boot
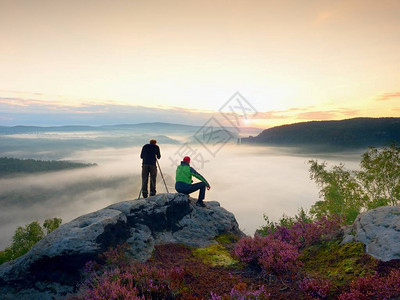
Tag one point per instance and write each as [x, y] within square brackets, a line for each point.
[200, 203]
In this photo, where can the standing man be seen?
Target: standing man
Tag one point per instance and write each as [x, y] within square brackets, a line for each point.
[150, 152]
[184, 173]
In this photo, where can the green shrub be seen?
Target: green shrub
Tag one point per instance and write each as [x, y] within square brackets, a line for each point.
[347, 193]
[284, 221]
[26, 237]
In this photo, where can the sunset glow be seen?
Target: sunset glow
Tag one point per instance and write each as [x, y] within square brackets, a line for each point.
[293, 60]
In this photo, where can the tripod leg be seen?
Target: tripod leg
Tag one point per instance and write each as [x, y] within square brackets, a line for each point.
[162, 176]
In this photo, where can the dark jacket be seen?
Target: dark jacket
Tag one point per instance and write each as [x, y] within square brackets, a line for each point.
[149, 153]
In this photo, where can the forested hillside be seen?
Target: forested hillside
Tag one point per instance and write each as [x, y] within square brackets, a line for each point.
[358, 132]
[11, 166]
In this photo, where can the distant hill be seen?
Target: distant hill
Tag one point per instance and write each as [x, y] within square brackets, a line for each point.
[350, 133]
[12, 166]
[156, 126]
[151, 128]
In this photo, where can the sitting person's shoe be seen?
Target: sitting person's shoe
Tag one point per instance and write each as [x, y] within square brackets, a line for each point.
[200, 203]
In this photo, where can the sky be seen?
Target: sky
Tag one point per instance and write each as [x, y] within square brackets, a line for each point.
[97, 62]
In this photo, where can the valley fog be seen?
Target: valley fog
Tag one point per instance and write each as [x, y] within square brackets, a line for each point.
[247, 180]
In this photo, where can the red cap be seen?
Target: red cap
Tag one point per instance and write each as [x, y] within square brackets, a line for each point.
[186, 159]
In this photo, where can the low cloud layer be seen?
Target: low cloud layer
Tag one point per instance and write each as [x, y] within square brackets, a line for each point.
[247, 180]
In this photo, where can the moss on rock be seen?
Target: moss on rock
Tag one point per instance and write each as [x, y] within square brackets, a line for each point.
[215, 255]
[340, 263]
[227, 239]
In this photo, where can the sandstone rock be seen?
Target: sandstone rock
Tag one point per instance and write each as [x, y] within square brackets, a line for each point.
[53, 267]
[379, 230]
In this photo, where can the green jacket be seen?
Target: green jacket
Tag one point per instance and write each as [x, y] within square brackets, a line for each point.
[184, 173]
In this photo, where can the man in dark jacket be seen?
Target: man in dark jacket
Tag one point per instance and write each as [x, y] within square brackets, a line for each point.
[150, 152]
[184, 173]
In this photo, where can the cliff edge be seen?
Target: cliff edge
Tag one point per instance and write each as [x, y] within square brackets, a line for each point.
[53, 267]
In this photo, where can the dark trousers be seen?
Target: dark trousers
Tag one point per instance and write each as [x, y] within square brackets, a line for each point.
[186, 188]
[146, 171]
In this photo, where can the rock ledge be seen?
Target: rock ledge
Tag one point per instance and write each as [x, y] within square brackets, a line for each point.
[379, 230]
[53, 267]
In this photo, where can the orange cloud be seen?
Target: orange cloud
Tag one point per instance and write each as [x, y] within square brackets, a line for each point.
[388, 96]
[307, 113]
[13, 102]
[326, 114]
[24, 102]
[271, 115]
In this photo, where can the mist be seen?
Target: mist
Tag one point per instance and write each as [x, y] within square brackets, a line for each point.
[247, 180]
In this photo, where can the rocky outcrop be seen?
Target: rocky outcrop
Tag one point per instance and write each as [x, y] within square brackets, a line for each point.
[53, 267]
[379, 230]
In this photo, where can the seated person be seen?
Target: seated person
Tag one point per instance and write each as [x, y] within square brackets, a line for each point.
[184, 173]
